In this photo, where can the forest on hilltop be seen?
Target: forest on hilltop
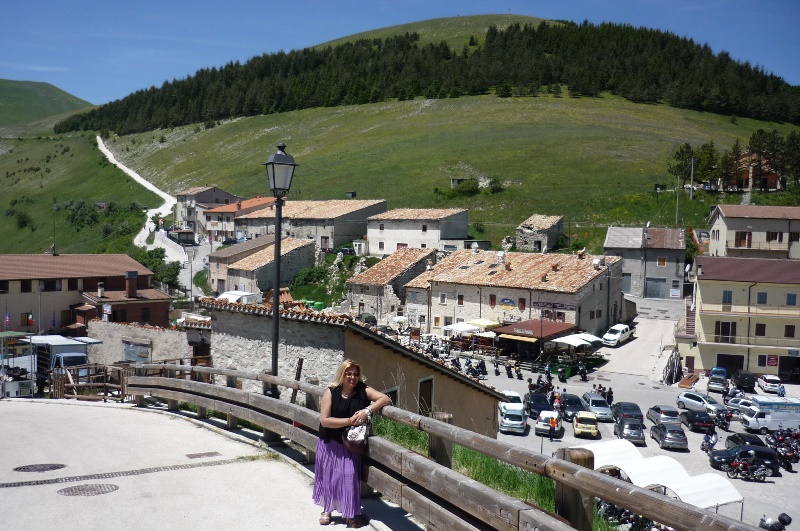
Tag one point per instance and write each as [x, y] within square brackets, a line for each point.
[642, 65]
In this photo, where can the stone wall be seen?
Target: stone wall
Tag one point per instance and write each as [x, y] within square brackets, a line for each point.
[163, 343]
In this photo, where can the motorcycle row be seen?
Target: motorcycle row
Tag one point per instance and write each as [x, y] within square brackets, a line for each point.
[786, 443]
[513, 369]
[622, 518]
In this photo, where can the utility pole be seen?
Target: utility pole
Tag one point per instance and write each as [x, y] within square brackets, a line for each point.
[691, 190]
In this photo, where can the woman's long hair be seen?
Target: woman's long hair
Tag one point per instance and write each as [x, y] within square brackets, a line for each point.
[338, 380]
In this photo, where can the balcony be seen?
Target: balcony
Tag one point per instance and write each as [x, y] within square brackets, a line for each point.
[751, 341]
[758, 246]
[762, 310]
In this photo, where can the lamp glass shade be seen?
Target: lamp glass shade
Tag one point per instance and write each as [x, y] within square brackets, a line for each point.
[280, 170]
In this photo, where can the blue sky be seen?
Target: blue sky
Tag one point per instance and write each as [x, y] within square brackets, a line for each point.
[102, 51]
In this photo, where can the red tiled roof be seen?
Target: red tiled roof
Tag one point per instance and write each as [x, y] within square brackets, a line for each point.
[535, 328]
[236, 206]
[298, 313]
[766, 270]
[48, 266]
[392, 266]
[658, 238]
[329, 209]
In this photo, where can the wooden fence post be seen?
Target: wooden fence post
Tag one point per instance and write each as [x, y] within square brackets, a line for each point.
[172, 404]
[140, 401]
[233, 422]
[441, 450]
[313, 404]
[269, 437]
[202, 412]
[572, 504]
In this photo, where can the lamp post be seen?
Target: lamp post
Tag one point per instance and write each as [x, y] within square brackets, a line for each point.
[280, 170]
[190, 254]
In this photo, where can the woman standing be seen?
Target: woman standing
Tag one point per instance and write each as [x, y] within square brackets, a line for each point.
[348, 401]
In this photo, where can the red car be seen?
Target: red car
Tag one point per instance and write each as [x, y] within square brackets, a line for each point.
[697, 421]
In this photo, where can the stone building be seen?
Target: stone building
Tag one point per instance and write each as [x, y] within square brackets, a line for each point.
[380, 290]
[255, 272]
[122, 342]
[219, 261]
[192, 203]
[444, 229]
[221, 220]
[540, 233]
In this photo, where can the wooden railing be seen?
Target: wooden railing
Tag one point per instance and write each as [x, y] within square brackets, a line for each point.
[432, 492]
[91, 382]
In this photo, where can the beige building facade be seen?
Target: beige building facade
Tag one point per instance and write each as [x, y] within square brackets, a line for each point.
[755, 231]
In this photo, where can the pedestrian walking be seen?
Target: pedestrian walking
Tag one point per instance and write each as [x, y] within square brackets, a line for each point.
[609, 396]
[553, 425]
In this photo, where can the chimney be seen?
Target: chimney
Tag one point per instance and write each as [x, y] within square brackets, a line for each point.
[544, 277]
[131, 277]
[556, 266]
[238, 205]
[101, 289]
[428, 265]
[508, 266]
[699, 270]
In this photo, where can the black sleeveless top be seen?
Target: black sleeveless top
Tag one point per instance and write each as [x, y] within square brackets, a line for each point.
[343, 408]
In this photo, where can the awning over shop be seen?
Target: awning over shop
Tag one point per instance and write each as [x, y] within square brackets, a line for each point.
[518, 338]
[484, 323]
[572, 340]
[536, 328]
[589, 337]
[490, 335]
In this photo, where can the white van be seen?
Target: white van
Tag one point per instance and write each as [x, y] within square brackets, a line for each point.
[768, 414]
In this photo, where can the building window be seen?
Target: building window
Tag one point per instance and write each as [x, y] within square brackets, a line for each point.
[380, 226]
[26, 286]
[774, 236]
[521, 305]
[26, 319]
[461, 300]
[743, 239]
[437, 321]
[724, 331]
[380, 246]
[424, 228]
[591, 314]
[442, 298]
[560, 316]
[761, 329]
[662, 261]
[761, 297]
[599, 314]
[423, 246]
[762, 360]
[412, 296]
[50, 285]
[788, 330]
[791, 299]
[727, 296]
[676, 284]
[3, 286]
[72, 284]
[492, 300]
[794, 237]
[421, 320]
[145, 315]
[547, 315]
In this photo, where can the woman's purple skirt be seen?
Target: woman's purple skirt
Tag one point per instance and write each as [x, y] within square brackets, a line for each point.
[337, 482]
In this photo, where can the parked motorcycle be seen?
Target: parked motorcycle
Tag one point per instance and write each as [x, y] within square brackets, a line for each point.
[779, 524]
[733, 392]
[509, 371]
[582, 372]
[746, 471]
[723, 420]
[518, 371]
[496, 368]
[562, 375]
[482, 367]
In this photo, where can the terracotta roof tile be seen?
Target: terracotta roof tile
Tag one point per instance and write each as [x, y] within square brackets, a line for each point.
[267, 255]
[236, 206]
[767, 270]
[298, 312]
[194, 190]
[48, 266]
[250, 245]
[392, 266]
[521, 270]
[417, 214]
[333, 208]
[658, 238]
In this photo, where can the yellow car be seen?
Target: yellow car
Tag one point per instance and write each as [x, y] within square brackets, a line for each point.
[585, 423]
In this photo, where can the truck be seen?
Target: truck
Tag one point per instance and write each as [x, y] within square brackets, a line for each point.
[56, 353]
[770, 413]
[617, 335]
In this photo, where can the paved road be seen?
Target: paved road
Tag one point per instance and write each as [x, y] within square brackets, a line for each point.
[126, 468]
[634, 372]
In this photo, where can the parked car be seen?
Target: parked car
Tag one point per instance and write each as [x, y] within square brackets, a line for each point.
[514, 419]
[744, 381]
[572, 405]
[697, 421]
[664, 414]
[229, 241]
[595, 403]
[617, 334]
[769, 383]
[722, 372]
[697, 402]
[739, 404]
[630, 429]
[345, 250]
[535, 403]
[512, 399]
[763, 456]
[585, 423]
[542, 426]
[386, 329]
[367, 318]
[718, 384]
[669, 436]
[627, 410]
[741, 439]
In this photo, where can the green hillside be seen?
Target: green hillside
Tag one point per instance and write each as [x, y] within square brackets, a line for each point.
[594, 160]
[23, 102]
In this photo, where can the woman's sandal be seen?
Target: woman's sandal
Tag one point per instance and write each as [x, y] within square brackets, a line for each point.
[357, 522]
[325, 519]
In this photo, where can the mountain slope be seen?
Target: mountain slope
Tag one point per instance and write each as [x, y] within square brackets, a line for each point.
[29, 101]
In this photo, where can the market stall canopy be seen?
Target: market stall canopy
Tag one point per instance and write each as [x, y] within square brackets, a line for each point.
[518, 338]
[462, 327]
[484, 323]
[490, 335]
[572, 340]
[589, 337]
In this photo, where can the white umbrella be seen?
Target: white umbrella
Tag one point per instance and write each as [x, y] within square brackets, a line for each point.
[399, 319]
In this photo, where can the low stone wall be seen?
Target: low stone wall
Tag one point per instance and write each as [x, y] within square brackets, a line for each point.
[163, 343]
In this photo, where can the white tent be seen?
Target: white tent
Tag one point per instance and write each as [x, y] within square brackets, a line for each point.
[483, 323]
[572, 340]
[462, 327]
[704, 491]
[588, 337]
[490, 335]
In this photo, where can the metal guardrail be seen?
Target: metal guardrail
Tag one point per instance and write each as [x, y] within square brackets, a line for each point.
[430, 491]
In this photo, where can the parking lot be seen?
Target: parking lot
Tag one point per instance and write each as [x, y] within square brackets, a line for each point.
[633, 372]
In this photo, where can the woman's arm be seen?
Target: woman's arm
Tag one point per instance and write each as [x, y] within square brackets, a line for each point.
[378, 400]
[327, 420]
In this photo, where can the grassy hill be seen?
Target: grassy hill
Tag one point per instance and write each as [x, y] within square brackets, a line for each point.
[596, 160]
[22, 102]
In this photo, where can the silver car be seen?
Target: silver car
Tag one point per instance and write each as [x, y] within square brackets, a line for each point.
[697, 402]
[663, 414]
[595, 403]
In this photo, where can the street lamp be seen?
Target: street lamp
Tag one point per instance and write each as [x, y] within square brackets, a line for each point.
[190, 254]
[280, 170]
